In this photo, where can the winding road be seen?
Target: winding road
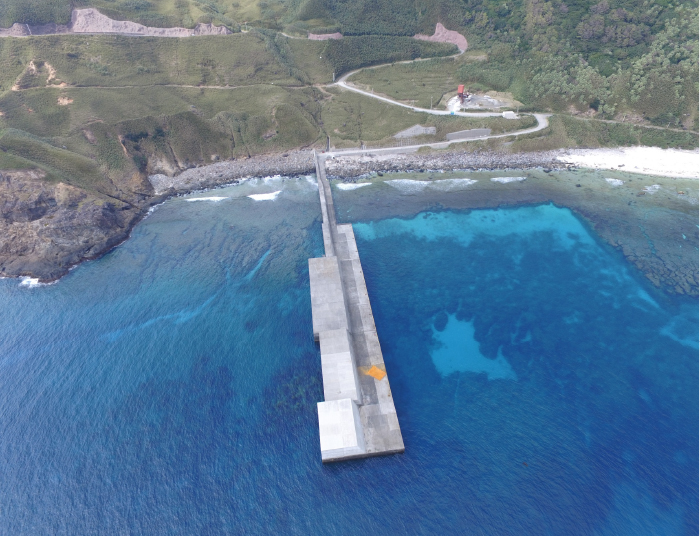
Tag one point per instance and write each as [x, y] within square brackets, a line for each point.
[542, 121]
[342, 82]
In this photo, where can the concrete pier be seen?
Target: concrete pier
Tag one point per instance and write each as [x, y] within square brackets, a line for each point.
[358, 418]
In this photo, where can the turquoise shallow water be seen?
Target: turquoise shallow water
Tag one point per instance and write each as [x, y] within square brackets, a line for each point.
[170, 386]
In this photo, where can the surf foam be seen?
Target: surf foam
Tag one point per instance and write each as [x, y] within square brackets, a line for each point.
[31, 282]
[615, 182]
[214, 199]
[449, 185]
[506, 180]
[412, 187]
[408, 186]
[265, 197]
[352, 185]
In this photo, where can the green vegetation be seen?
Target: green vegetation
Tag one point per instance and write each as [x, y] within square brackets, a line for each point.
[616, 57]
[659, 87]
[96, 111]
[148, 61]
[34, 12]
[355, 52]
[422, 83]
[349, 118]
[109, 134]
[565, 131]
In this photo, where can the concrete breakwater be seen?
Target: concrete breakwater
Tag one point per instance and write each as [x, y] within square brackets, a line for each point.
[358, 418]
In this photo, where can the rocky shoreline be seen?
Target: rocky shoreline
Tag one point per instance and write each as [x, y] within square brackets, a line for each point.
[226, 172]
[352, 167]
[47, 228]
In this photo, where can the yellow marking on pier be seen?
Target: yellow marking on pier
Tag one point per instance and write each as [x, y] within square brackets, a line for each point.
[375, 372]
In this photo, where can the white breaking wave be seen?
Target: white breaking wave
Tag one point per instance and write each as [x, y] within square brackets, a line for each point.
[214, 199]
[265, 197]
[615, 182]
[652, 189]
[409, 186]
[449, 185]
[153, 208]
[31, 282]
[506, 180]
[352, 185]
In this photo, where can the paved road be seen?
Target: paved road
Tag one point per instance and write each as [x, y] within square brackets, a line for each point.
[342, 82]
[542, 123]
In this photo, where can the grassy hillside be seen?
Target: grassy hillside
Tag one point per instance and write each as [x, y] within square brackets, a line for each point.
[615, 57]
[98, 111]
[95, 112]
[117, 61]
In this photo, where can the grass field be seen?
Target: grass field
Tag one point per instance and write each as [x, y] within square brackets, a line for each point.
[349, 118]
[565, 131]
[239, 59]
[421, 81]
[98, 111]
[110, 134]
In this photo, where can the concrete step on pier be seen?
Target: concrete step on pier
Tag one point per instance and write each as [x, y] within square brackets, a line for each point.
[358, 418]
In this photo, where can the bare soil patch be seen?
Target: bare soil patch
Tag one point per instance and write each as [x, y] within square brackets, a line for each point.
[443, 35]
[325, 37]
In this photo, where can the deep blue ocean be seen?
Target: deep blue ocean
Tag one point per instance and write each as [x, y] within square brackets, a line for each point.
[542, 386]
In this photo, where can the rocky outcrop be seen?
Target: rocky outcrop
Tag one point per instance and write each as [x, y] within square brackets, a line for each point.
[292, 163]
[93, 22]
[45, 228]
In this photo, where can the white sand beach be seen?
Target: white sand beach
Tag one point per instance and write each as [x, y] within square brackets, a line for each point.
[646, 160]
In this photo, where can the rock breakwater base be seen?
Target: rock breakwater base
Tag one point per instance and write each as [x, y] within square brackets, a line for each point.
[350, 167]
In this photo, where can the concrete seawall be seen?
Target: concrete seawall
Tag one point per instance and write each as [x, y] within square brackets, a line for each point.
[358, 418]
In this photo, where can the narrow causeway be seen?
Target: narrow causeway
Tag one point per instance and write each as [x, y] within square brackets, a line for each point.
[357, 419]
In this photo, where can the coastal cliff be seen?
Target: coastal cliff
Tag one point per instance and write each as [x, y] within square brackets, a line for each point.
[46, 228]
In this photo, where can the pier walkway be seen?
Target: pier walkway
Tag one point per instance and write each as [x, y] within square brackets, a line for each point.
[358, 418]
